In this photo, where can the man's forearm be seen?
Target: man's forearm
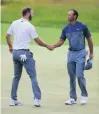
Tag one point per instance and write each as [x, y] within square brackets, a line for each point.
[91, 48]
[90, 44]
[40, 42]
[8, 41]
[59, 43]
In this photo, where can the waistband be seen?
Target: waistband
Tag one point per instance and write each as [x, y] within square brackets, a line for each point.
[21, 49]
[76, 50]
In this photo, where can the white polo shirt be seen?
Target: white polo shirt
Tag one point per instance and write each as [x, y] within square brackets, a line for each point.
[23, 32]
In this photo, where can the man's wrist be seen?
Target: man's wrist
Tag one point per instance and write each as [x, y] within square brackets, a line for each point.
[54, 46]
[46, 45]
[10, 47]
[91, 56]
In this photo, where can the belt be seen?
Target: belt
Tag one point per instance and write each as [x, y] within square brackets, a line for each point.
[22, 50]
[76, 50]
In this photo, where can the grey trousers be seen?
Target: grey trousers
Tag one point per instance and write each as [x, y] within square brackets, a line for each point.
[75, 66]
[29, 65]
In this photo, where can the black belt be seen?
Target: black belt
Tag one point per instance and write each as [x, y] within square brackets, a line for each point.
[22, 50]
[75, 50]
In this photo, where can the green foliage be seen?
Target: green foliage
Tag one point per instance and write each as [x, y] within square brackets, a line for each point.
[50, 16]
[53, 15]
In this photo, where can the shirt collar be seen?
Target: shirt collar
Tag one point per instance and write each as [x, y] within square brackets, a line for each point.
[23, 19]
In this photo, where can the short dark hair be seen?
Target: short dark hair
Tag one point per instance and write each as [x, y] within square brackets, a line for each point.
[26, 10]
[75, 12]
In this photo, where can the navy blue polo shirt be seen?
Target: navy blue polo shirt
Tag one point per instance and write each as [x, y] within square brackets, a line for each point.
[76, 35]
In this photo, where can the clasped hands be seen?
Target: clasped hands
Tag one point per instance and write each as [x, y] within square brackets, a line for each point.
[50, 47]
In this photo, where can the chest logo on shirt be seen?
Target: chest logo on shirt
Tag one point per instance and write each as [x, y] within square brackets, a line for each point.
[78, 29]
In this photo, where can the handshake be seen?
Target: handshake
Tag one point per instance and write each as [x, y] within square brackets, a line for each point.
[50, 47]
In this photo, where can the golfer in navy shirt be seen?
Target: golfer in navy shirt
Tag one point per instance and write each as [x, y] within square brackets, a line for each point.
[76, 32]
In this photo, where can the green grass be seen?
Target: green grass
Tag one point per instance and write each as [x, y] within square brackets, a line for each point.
[54, 82]
[54, 14]
[48, 34]
[52, 74]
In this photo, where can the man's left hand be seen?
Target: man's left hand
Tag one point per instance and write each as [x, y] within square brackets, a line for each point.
[91, 56]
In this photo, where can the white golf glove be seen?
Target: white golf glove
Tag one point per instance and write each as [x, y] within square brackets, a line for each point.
[23, 57]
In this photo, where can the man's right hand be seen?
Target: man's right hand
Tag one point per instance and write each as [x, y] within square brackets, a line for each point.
[11, 49]
[50, 47]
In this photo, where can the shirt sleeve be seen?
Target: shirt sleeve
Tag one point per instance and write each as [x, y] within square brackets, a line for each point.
[10, 30]
[87, 33]
[63, 35]
[33, 32]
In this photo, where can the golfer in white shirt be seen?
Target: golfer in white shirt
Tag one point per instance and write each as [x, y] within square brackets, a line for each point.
[24, 32]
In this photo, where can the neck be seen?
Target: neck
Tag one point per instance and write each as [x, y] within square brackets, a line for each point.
[73, 22]
[26, 18]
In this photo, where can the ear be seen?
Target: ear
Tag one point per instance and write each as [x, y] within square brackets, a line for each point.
[75, 16]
